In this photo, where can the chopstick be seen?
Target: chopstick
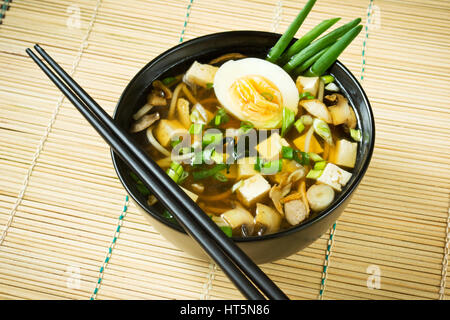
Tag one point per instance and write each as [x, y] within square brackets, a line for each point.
[231, 259]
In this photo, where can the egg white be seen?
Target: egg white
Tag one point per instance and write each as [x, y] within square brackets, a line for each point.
[235, 69]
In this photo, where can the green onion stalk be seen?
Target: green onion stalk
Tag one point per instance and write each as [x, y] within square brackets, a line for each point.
[330, 56]
[304, 41]
[278, 49]
[318, 45]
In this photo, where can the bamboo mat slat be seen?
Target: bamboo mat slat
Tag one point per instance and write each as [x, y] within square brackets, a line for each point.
[61, 203]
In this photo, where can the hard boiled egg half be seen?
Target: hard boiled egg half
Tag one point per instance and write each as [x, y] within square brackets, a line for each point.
[256, 90]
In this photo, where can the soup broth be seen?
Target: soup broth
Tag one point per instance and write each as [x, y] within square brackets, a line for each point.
[258, 150]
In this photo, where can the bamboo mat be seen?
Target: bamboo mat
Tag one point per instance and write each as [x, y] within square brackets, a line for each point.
[67, 230]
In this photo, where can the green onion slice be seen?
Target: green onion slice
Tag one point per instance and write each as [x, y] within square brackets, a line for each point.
[299, 125]
[355, 134]
[287, 121]
[287, 152]
[314, 174]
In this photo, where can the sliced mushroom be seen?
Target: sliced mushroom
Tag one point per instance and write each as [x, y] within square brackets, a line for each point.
[292, 196]
[296, 175]
[198, 187]
[228, 56]
[144, 122]
[320, 196]
[277, 193]
[239, 218]
[156, 100]
[341, 111]
[330, 99]
[159, 85]
[317, 108]
[351, 121]
[267, 220]
[295, 212]
[142, 111]
[151, 200]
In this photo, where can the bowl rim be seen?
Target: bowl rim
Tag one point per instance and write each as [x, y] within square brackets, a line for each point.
[282, 233]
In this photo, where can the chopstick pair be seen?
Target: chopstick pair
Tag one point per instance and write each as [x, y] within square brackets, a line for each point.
[239, 268]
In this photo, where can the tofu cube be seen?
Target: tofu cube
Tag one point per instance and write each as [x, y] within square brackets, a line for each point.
[344, 153]
[246, 167]
[334, 176]
[200, 115]
[253, 190]
[166, 129]
[190, 194]
[308, 84]
[270, 148]
[200, 74]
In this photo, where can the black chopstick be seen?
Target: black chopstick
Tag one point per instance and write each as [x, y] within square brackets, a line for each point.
[222, 249]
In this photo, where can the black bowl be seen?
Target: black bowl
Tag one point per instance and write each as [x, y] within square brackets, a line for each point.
[175, 61]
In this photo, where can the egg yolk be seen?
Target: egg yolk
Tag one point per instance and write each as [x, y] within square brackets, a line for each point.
[256, 96]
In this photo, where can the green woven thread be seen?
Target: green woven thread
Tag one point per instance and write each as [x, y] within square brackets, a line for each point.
[333, 229]
[110, 249]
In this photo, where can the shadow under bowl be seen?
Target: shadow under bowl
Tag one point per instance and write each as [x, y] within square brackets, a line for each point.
[261, 249]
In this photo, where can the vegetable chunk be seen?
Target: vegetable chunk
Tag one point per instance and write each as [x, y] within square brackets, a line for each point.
[344, 154]
[246, 167]
[334, 176]
[166, 129]
[314, 145]
[200, 74]
[308, 84]
[253, 190]
[270, 148]
[318, 109]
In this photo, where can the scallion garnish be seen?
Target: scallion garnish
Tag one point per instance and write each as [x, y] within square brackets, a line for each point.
[196, 128]
[287, 152]
[314, 174]
[323, 130]
[209, 85]
[327, 79]
[168, 80]
[299, 125]
[227, 230]
[355, 134]
[301, 157]
[287, 120]
[258, 164]
[198, 175]
[246, 126]
[315, 157]
[175, 171]
[320, 165]
[221, 117]
[306, 95]
[212, 137]
[272, 167]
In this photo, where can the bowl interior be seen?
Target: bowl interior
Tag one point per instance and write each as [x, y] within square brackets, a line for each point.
[252, 43]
